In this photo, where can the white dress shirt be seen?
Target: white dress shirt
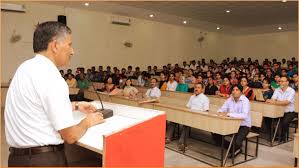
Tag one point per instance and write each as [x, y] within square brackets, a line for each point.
[288, 95]
[204, 68]
[198, 103]
[239, 109]
[153, 92]
[171, 86]
[186, 67]
[37, 105]
[193, 67]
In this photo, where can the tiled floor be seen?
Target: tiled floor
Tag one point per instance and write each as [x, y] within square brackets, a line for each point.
[280, 155]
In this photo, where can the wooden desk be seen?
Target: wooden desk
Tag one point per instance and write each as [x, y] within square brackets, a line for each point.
[268, 110]
[207, 121]
[178, 113]
[132, 137]
[73, 91]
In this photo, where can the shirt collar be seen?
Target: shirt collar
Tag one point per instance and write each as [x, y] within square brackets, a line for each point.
[242, 97]
[280, 90]
[44, 58]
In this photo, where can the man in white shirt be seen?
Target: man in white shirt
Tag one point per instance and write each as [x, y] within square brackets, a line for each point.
[193, 65]
[197, 103]
[236, 106]
[38, 112]
[153, 94]
[171, 84]
[185, 66]
[285, 96]
[204, 67]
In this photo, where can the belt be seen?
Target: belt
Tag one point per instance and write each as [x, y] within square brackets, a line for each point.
[36, 150]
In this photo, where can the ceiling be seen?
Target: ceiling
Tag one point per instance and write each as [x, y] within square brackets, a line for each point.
[202, 14]
[243, 14]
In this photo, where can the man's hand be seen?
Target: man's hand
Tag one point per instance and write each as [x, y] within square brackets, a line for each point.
[86, 107]
[223, 114]
[94, 119]
[270, 101]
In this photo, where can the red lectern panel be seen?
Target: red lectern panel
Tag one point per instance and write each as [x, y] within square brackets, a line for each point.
[140, 145]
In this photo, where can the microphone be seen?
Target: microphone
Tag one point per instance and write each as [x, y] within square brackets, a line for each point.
[107, 113]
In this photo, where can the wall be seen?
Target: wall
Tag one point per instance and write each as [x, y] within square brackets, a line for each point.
[97, 42]
[269, 45]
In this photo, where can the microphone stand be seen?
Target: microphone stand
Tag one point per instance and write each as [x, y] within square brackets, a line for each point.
[106, 112]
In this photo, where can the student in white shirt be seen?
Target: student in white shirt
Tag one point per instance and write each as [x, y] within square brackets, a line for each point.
[171, 84]
[285, 96]
[153, 94]
[185, 66]
[197, 103]
[236, 106]
[38, 112]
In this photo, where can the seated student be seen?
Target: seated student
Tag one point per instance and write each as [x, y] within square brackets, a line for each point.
[109, 85]
[71, 81]
[130, 73]
[185, 66]
[123, 73]
[233, 78]
[199, 78]
[211, 89]
[122, 82]
[275, 82]
[291, 70]
[255, 83]
[129, 90]
[267, 94]
[147, 79]
[284, 95]
[177, 76]
[197, 103]
[61, 73]
[247, 91]
[136, 73]
[162, 82]
[267, 90]
[153, 94]
[218, 79]
[262, 77]
[182, 86]
[190, 76]
[155, 69]
[150, 71]
[116, 77]
[294, 82]
[284, 72]
[207, 75]
[236, 106]
[171, 84]
[141, 79]
[82, 84]
[224, 89]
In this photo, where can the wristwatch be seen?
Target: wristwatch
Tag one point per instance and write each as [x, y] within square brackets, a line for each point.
[76, 106]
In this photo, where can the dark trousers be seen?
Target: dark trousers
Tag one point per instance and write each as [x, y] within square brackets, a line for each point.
[170, 130]
[47, 159]
[184, 133]
[284, 124]
[239, 138]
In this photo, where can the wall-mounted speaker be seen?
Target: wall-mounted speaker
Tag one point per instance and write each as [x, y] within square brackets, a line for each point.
[61, 19]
